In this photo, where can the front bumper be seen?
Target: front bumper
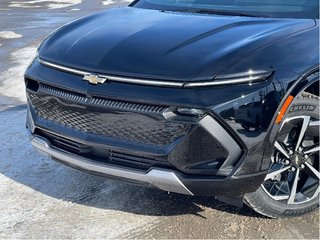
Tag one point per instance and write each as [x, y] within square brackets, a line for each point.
[164, 179]
[96, 130]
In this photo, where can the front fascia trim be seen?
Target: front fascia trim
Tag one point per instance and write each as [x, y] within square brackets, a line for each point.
[233, 148]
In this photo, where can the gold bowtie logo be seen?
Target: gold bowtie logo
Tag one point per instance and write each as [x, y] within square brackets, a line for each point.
[94, 79]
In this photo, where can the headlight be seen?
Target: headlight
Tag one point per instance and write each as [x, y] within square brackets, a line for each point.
[249, 77]
[190, 112]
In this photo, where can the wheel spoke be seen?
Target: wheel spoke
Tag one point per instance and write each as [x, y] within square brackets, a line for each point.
[294, 188]
[275, 173]
[316, 192]
[313, 170]
[279, 198]
[305, 124]
[312, 150]
[281, 149]
[314, 123]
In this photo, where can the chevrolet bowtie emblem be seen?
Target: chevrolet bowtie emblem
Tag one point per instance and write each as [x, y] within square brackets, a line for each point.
[94, 79]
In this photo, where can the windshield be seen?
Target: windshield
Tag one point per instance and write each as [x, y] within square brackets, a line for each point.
[256, 8]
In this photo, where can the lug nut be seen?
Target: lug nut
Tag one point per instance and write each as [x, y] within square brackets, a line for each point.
[302, 166]
[306, 156]
[290, 152]
[293, 169]
[287, 162]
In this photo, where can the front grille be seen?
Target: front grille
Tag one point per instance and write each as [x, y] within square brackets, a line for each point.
[104, 155]
[102, 102]
[135, 161]
[126, 121]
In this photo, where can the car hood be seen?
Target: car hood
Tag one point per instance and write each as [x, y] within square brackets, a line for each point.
[162, 45]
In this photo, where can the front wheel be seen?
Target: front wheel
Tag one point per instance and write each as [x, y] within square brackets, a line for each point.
[291, 187]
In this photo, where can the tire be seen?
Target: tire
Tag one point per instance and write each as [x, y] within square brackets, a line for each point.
[291, 187]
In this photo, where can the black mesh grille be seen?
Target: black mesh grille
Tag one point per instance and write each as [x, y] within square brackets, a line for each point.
[105, 121]
[102, 102]
[140, 162]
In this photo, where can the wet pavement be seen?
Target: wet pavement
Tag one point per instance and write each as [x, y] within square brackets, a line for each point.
[43, 199]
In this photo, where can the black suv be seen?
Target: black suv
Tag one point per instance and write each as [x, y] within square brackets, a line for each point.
[199, 97]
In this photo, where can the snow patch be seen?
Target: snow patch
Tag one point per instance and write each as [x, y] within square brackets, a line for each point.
[10, 35]
[12, 80]
[48, 3]
[109, 2]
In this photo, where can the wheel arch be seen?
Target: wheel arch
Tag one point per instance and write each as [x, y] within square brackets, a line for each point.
[308, 81]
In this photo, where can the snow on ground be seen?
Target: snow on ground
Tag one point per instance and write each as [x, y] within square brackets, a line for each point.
[43, 199]
[49, 3]
[12, 79]
[9, 35]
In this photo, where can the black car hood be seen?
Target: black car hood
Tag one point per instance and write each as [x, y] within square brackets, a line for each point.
[149, 43]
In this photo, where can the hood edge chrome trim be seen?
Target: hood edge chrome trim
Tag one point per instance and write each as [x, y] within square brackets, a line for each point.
[138, 81]
[256, 78]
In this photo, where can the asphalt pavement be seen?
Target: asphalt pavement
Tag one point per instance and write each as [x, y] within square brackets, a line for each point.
[40, 198]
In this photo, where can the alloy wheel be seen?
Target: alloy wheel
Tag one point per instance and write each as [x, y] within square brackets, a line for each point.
[293, 177]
